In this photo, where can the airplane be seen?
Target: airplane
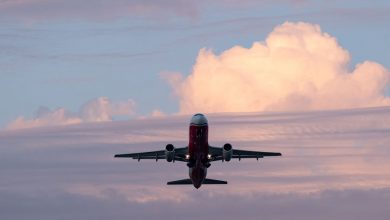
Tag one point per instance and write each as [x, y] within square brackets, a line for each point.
[198, 154]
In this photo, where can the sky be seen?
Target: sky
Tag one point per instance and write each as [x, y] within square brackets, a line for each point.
[81, 81]
[334, 165]
[64, 54]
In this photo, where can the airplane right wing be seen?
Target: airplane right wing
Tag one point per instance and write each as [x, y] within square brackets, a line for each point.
[217, 153]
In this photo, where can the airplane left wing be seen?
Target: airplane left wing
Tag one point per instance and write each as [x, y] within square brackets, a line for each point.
[178, 155]
[217, 154]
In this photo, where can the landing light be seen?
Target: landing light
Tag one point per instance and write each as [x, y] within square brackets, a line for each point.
[187, 156]
[209, 156]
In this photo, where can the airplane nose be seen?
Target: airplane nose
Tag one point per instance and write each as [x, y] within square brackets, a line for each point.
[199, 119]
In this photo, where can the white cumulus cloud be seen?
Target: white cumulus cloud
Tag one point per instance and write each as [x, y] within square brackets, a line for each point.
[96, 110]
[297, 67]
[103, 109]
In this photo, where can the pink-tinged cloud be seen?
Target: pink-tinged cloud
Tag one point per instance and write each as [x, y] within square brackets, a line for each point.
[298, 67]
[45, 117]
[97, 110]
[103, 109]
[333, 162]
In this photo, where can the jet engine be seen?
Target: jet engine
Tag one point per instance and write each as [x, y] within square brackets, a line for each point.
[170, 152]
[227, 152]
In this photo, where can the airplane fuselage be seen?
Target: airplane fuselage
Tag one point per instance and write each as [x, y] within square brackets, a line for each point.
[198, 149]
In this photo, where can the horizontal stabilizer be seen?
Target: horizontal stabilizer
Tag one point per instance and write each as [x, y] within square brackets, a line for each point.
[180, 182]
[189, 182]
[211, 181]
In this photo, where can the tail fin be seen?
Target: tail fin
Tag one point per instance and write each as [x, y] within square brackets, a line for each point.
[211, 181]
[180, 182]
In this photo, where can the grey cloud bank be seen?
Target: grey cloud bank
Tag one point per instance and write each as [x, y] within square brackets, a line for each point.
[349, 204]
[334, 165]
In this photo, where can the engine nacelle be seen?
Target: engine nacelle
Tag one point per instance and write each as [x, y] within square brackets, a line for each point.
[227, 152]
[170, 152]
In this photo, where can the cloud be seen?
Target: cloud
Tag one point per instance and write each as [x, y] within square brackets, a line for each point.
[49, 10]
[44, 10]
[96, 110]
[102, 109]
[348, 205]
[298, 67]
[46, 117]
[333, 162]
[157, 113]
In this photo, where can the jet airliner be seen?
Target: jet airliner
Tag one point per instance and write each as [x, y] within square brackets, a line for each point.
[198, 154]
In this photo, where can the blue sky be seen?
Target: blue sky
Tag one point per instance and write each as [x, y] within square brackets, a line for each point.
[65, 54]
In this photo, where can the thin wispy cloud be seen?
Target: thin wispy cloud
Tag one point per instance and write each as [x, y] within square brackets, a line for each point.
[333, 161]
[35, 11]
[44, 10]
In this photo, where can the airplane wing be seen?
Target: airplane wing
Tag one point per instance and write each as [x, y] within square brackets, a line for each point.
[179, 155]
[216, 154]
